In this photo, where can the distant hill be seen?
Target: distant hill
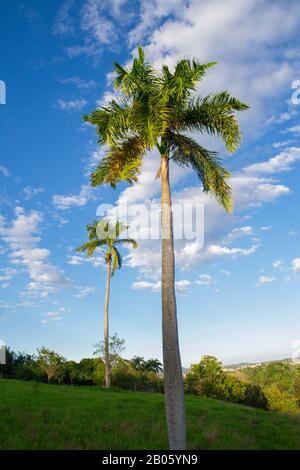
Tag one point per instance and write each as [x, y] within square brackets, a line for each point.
[240, 365]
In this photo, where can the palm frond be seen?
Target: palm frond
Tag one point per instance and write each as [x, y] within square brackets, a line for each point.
[122, 163]
[89, 247]
[214, 114]
[140, 79]
[120, 227]
[112, 121]
[116, 260]
[127, 241]
[206, 164]
[179, 85]
[92, 231]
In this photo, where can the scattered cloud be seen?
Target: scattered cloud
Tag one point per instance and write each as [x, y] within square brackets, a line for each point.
[295, 129]
[296, 264]
[63, 23]
[22, 236]
[51, 317]
[181, 286]
[79, 82]
[30, 192]
[84, 291]
[277, 264]
[265, 280]
[239, 232]
[283, 117]
[281, 163]
[78, 260]
[64, 202]
[225, 272]
[71, 105]
[204, 280]
[284, 143]
[218, 250]
[96, 23]
[4, 171]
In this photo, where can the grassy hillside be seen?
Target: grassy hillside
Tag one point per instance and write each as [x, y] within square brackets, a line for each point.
[40, 416]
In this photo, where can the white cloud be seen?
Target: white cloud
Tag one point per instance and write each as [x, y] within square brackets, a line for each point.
[265, 280]
[84, 291]
[283, 143]
[204, 280]
[77, 260]
[5, 285]
[280, 163]
[144, 285]
[150, 12]
[218, 250]
[71, 105]
[51, 317]
[64, 202]
[296, 264]
[181, 286]
[239, 232]
[31, 192]
[295, 129]
[96, 21]
[22, 237]
[107, 97]
[4, 171]
[277, 264]
[63, 23]
[6, 274]
[79, 82]
[225, 272]
[283, 117]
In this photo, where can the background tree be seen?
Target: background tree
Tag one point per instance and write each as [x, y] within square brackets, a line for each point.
[153, 365]
[100, 234]
[50, 363]
[71, 371]
[116, 348]
[157, 110]
[138, 363]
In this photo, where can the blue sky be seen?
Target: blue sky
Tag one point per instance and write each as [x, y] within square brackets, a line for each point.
[238, 296]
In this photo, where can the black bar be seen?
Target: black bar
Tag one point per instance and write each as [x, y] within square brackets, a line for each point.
[137, 458]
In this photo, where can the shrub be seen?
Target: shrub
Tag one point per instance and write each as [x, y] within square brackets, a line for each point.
[280, 400]
[209, 379]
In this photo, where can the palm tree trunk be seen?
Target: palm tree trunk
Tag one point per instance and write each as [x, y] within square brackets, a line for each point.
[173, 378]
[106, 328]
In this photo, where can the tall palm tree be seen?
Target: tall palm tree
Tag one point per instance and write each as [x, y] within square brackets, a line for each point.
[100, 234]
[157, 110]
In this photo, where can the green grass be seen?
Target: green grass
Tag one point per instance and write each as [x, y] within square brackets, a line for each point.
[40, 416]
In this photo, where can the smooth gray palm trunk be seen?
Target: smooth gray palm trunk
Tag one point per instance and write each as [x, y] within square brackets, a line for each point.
[173, 378]
[106, 328]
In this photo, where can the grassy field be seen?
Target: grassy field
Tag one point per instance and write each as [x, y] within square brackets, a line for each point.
[40, 416]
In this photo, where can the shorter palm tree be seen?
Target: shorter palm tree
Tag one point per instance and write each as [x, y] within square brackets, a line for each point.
[106, 234]
[154, 365]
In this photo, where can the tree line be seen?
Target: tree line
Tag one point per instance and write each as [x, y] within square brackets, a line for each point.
[274, 386]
